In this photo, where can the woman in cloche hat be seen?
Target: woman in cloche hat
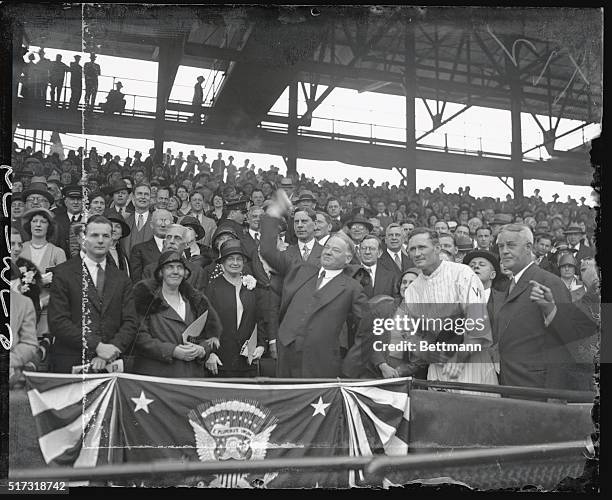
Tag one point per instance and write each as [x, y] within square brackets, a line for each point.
[168, 305]
[241, 307]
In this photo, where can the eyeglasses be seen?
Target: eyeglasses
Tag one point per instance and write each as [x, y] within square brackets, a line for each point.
[35, 199]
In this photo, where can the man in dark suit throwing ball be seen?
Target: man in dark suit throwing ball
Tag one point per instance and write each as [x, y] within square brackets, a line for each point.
[315, 303]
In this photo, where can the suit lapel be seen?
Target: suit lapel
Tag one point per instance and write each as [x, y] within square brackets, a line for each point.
[379, 276]
[108, 292]
[330, 291]
[522, 284]
[315, 255]
[303, 276]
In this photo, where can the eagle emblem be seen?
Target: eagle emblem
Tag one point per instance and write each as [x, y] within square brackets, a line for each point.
[232, 430]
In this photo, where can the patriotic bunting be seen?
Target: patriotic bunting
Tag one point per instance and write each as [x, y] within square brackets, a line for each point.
[88, 420]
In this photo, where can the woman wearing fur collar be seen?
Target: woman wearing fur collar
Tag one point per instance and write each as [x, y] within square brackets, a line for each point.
[167, 305]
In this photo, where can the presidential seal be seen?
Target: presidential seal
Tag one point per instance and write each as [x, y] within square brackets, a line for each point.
[233, 430]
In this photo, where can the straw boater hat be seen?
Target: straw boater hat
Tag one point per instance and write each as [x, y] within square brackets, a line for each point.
[574, 228]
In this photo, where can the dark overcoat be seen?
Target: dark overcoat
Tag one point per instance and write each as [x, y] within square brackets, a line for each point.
[161, 329]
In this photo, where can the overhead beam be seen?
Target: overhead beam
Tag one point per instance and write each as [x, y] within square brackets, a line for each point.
[568, 169]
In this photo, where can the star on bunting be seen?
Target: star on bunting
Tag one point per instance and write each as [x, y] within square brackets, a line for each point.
[319, 407]
[142, 403]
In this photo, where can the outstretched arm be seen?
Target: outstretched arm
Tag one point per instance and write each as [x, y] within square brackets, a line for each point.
[269, 235]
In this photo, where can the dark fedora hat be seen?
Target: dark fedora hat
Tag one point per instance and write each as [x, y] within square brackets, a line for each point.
[113, 216]
[72, 191]
[231, 247]
[502, 219]
[223, 229]
[360, 219]
[169, 257]
[306, 195]
[193, 223]
[464, 243]
[490, 256]
[39, 188]
[118, 186]
[237, 204]
[543, 234]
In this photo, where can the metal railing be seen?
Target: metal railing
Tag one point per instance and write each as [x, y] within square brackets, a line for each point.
[143, 106]
[374, 468]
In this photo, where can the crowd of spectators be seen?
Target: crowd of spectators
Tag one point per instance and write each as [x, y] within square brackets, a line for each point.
[169, 224]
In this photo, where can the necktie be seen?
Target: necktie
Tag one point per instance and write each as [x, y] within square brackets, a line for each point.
[140, 222]
[398, 261]
[74, 218]
[305, 253]
[320, 279]
[512, 285]
[100, 280]
[257, 239]
[371, 272]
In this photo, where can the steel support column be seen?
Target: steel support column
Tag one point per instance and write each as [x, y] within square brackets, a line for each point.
[410, 90]
[170, 54]
[291, 159]
[516, 152]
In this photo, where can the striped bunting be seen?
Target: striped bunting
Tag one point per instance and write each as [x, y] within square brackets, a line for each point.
[70, 413]
[77, 416]
[377, 419]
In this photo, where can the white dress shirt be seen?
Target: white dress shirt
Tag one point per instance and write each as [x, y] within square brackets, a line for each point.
[330, 274]
[323, 240]
[145, 217]
[255, 233]
[308, 245]
[159, 242]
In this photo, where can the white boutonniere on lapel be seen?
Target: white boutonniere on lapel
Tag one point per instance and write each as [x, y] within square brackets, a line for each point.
[249, 282]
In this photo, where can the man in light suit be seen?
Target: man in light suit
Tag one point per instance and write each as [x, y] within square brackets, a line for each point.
[315, 302]
[534, 320]
[148, 252]
[111, 328]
